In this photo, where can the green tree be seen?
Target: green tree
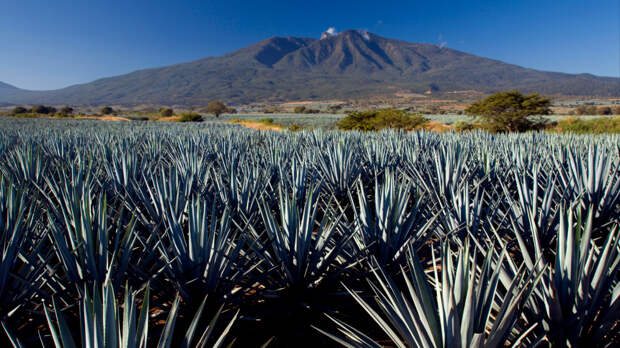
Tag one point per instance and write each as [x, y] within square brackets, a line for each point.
[106, 110]
[510, 111]
[166, 112]
[299, 109]
[379, 119]
[19, 110]
[216, 108]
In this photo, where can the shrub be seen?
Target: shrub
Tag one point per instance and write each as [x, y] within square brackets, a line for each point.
[604, 110]
[190, 117]
[616, 110]
[295, 127]
[594, 126]
[106, 110]
[586, 110]
[139, 118]
[463, 126]
[334, 109]
[42, 109]
[166, 112]
[299, 109]
[381, 119]
[19, 110]
[67, 110]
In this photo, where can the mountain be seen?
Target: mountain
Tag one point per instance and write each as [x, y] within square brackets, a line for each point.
[5, 88]
[352, 64]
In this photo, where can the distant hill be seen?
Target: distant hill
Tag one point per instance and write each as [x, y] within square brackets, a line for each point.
[6, 88]
[352, 64]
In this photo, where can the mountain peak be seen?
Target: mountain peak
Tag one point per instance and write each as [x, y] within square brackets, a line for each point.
[331, 32]
[350, 64]
[7, 86]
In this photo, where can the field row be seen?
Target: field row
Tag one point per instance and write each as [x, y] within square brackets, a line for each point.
[143, 234]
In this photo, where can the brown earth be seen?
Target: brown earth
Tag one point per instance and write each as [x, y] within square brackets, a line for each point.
[103, 118]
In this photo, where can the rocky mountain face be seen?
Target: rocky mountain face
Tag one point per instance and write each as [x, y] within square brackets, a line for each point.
[351, 64]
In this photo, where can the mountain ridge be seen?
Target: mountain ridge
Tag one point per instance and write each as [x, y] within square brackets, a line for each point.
[351, 64]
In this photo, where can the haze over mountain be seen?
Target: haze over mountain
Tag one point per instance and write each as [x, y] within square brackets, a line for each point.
[352, 64]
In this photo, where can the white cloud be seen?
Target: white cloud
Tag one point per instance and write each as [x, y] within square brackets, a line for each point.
[331, 31]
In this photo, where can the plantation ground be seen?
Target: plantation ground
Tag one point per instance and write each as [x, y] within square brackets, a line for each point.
[306, 238]
[328, 121]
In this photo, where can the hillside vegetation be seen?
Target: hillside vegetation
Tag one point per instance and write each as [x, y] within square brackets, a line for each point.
[351, 65]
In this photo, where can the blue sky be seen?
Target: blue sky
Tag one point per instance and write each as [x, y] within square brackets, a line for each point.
[51, 44]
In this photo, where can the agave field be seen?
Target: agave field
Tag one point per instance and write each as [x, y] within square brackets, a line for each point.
[144, 234]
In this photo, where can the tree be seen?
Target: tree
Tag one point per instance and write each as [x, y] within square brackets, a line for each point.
[380, 119]
[166, 112]
[299, 109]
[510, 111]
[604, 110]
[106, 110]
[19, 110]
[616, 110]
[216, 108]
